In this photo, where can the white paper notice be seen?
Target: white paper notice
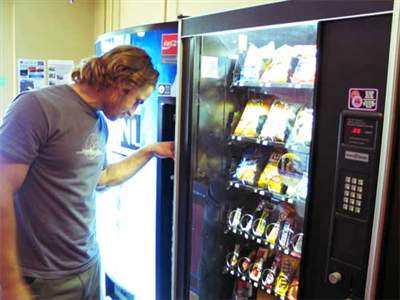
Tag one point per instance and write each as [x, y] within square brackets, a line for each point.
[209, 67]
[60, 71]
[31, 74]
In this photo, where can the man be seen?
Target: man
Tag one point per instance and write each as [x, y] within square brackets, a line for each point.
[52, 157]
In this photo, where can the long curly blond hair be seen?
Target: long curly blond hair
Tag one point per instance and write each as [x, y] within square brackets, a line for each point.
[127, 66]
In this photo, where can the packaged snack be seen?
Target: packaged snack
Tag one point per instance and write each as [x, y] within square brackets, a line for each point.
[300, 190]
[293, 290]
[253, 117]
[245, 262]
[243, 290]
[290, 168]
[305, 68]
[288, 267]
[250, 167]
[269, 275]
[246, 172]
[301, 132]
[281, 63]
[252, 64]
[256, 270]
[235, 256]
[270, 177]
[279, 122]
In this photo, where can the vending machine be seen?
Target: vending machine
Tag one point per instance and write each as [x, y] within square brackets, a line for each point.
[285, 124]
[134, 220]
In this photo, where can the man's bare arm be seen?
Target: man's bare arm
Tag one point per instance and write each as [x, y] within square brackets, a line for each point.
[119, 172]
[12, 175]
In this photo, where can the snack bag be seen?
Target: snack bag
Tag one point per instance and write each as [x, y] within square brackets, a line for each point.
[307, 61]
[278, 72]
[280, 119]
[253, 117]
[289, 266]
[247, 170]
[270, 177]
[252, 64]
[301, 132]
[250, 167]
[291, 169]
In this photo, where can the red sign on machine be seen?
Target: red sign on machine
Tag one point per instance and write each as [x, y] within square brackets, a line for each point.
[169, 44]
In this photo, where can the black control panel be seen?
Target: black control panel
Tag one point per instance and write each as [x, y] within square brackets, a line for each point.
[355, 176]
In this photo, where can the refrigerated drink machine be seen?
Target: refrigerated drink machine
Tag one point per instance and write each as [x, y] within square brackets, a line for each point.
[286, 116]
[134, 220]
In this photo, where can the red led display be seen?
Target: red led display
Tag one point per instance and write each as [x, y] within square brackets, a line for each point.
[356, 130]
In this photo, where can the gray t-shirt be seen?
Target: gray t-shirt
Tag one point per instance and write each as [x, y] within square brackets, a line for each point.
[63, 140]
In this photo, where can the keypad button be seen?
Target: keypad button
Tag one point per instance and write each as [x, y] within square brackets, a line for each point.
[352, 195]
[346, 200]
[345, 206]
[359, 189]
[347, 186]
[346, 193]
[358, 203]
[353, 188]
[352, 201]
[359, 196]
[351, 208]
[354, 180]
[360, 182]
[357, 210]
[347, 179]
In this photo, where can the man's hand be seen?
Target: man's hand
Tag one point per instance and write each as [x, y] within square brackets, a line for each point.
[163, 149]
[119, 172]
[17, 291]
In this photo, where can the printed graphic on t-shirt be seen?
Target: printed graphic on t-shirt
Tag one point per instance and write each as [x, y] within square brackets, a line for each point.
[92, 147]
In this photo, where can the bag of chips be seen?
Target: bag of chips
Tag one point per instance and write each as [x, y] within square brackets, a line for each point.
[252, 64]
[253, 118]
[291, 169]
[249, 168]
[307, 61]
[278, 72]
[279, 122]
[301, 132]
[270, 178]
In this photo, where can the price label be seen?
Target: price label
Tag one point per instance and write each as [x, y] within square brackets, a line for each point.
[236, 185]
[259, 241]
[232, 272]
[262, 193]
[255, 284]
[246, 236]
[243, 278]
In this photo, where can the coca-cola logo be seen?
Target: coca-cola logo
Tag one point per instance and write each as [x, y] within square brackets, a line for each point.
[169, 45]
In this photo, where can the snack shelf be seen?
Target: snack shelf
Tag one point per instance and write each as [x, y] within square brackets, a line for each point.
[273, 197]
[260, 241]
[267, 85]
[257, 284]
[267, 143]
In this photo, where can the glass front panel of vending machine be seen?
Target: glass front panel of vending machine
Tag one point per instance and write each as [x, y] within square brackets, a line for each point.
[252, 126]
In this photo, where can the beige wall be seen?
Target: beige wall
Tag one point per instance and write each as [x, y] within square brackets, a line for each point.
[136, 12]
[54, 29]
[44, 29]
[139, 12]
[200, 7]
[7, 54]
